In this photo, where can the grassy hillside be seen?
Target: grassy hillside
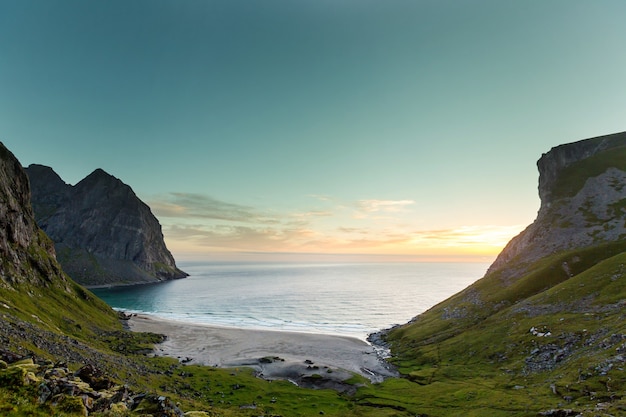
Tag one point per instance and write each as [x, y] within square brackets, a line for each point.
[543, 333]
[472, 355]
[547, 342]
[80, 329]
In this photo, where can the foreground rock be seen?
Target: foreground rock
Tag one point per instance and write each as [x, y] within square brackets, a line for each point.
[84, 392]
[103, 233]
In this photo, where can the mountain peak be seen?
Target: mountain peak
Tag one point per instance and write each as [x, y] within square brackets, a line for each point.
[44, 170]
[104, 234]
[99, 176]
[99, 173]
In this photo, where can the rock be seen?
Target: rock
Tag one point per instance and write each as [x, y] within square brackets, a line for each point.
[570, 216]
[10, 357]
[94, 377]
[161, 405]
[12, 377]
[559, 413]
[44, 393]
[26, 254]
[71, 404]
[118, 409]
[103, 233]
[87, 391]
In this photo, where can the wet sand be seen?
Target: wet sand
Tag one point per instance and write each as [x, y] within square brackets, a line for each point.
[273, 354]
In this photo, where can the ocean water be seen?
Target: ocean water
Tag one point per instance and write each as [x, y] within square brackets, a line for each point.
[340, 299]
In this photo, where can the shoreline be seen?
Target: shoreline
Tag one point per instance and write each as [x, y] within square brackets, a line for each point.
[273, 354]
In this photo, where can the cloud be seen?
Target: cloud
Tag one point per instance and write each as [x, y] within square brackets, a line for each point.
[312, 214]
[392, 206]
[235, 237]
[199, 206]
[200, 223]
[488, 235]
[356, 230]
[321, 197]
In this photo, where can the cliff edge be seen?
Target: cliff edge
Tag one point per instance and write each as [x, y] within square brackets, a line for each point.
[583, 202]
[103, 233]
[544, 331]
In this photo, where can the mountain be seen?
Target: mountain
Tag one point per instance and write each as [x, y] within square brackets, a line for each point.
[544, 331]
[40, 306]
[581, 187]
[63, 351]
[103, 233]
[26, 253]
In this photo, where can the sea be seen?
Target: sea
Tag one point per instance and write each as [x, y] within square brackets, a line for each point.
[352, 299]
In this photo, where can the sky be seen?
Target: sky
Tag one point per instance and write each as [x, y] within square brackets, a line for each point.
[314, 129]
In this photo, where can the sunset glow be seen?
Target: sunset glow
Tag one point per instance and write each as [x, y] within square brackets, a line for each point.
[374, 129]
[381, 229]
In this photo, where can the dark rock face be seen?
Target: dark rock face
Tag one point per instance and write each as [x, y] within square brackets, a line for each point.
[103, 233]
[26, 253]
[551, 164]
[581, 216]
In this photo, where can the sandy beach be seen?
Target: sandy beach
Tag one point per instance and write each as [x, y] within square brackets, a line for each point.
[273, 354]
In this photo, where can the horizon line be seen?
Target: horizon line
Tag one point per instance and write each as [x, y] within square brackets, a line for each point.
[257, 256]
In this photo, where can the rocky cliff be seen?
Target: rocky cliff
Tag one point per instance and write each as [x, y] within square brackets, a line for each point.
[583, 202]
[26, 253]
[33, 287]
[103, 233]
[544, 331]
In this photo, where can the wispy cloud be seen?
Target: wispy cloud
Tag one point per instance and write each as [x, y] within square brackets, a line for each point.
[200, 223]
[242, 238]
[199, 206]
[489, 235]
[381, 209]
[303, 219]
[390, 206]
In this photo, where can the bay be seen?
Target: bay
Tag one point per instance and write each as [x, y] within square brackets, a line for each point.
[340, 299]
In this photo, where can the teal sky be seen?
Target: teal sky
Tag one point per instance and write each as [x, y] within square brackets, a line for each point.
[365, 129]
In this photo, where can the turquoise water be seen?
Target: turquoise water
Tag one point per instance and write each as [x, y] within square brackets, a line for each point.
[341, 299]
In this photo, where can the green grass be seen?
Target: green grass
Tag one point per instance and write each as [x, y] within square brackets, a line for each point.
[573, 178]
[476, 363]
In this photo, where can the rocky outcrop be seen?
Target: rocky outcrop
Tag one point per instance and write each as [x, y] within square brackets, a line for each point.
[103, 233]
[26, 253]
[552, 164]
[583, 203]
[88, 391]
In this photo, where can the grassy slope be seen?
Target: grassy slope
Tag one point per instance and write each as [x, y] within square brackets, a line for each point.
[474, 354]
[482, 361]
[86, 330]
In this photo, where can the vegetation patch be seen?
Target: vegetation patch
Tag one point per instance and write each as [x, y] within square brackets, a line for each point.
[572, 178]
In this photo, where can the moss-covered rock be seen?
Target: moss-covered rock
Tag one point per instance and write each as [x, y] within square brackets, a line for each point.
[71, 404]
